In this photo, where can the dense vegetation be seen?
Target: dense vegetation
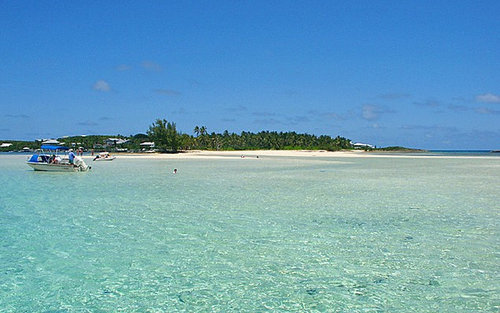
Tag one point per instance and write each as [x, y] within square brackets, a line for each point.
[167, 139]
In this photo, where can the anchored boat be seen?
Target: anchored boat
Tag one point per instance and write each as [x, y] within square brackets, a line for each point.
[104, 156]
[55, 159]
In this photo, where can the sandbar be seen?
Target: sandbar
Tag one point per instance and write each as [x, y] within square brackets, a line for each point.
[256, 154]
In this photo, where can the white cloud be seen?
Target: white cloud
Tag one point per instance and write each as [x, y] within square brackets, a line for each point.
[428, 103]
[102, 85]
[151, 66]
[488, 98]
[123, 67]
[486, 111]
[394, 96]
[370, 112]
[17, 116]
[168, 92]
[88, 123]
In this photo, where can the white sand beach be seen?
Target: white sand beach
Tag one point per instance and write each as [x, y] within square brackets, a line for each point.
[256, 154]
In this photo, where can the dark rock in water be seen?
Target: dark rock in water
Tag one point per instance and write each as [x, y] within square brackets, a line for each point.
[378, 280]
[312, 291]
[433, 282]
[179, 296]
[185, 297]
[408, 237]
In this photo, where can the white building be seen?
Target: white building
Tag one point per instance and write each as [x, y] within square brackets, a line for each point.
[148, 144]
[115, 141]
[50, 142]
[360, 145]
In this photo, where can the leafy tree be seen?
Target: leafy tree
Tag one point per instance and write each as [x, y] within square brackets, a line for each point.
[164, 135]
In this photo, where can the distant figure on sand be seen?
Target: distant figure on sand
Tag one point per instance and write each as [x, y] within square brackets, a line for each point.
[175, 171]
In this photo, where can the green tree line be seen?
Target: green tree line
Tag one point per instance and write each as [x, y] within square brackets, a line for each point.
[167, 139]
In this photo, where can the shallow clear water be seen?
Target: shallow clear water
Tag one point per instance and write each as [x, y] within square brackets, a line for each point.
[252, 235]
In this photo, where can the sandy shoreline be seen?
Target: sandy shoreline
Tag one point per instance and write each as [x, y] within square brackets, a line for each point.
[255, 154]
[280, 154]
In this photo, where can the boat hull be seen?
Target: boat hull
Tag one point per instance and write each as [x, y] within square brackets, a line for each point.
[105, 159]
[37, 166]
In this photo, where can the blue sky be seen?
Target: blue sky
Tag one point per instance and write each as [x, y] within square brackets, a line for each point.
[423, 74]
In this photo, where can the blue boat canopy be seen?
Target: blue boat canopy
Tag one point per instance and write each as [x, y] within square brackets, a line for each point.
[52, 147]
[34, 158]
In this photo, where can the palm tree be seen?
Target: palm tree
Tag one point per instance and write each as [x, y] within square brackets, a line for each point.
[203, 134]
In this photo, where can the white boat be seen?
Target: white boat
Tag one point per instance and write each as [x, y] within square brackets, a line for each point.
[51, 160]
[104, 156]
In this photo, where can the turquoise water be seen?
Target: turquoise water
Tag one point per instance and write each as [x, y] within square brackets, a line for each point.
[252, 235]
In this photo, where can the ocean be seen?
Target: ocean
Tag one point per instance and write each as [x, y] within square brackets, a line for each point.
[270, 234]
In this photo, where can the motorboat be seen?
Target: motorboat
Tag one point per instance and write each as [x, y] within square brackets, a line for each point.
[52, 158]
[104, 156]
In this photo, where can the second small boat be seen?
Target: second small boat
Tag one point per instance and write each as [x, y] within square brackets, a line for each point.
[104, 156]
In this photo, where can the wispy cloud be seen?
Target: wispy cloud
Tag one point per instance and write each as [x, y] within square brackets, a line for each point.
[16, 116]
[299, 119]
[194, 83]
[432, 128]
[168, 92]
[371, 112]
[263, 114]
[237, 109]
[484, 110]
[180, 111]
[151, 66]
[268, 121]
[480, 110]
[394, 96]
[123, 67]
[335, 116]
[428, 103]
[290, 92]
[87, 123]
[327, 115]
[458, 108]
[102, 85]
[488, 98]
